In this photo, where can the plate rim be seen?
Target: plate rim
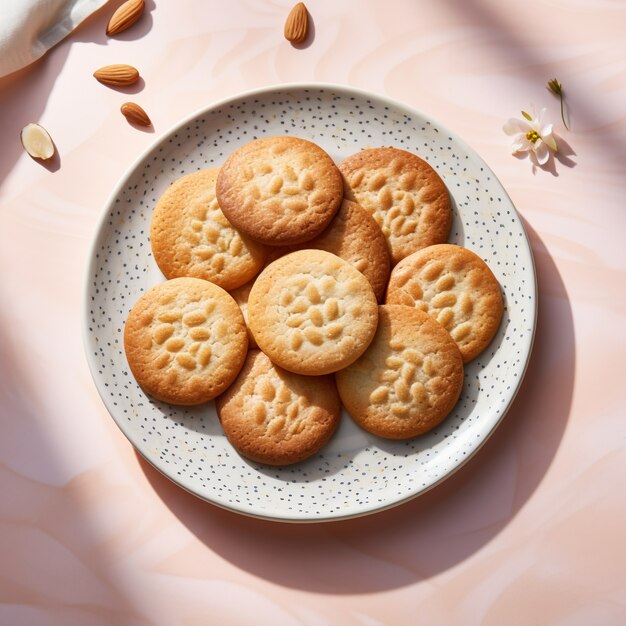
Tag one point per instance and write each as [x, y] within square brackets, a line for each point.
[128, 172]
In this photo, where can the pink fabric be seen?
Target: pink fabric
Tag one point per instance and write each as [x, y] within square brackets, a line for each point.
[529, 532]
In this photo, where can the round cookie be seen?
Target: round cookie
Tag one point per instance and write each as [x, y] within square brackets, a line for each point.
[276, 417]
[311, 312]
[355, 237]
[408, 380]
[185, 341]
[457, 288]
[279, 190]
[190, 236]
[405, 195]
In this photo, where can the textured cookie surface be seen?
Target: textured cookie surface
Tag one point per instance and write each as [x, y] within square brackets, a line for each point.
[311, 312]
[190, 236]
[457, 288]
[408, 380]
[279, 190]
[276, 417]
[405, 195]
[185, 341]
[241, 295]
[354, 236]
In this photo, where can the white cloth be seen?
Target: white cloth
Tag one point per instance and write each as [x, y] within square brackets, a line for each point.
[28, 28]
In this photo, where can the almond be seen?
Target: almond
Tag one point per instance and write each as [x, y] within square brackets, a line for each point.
[135, 114]
[125, 16]
[117, 75]
[297, 24]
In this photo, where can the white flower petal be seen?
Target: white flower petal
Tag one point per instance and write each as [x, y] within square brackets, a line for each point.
[550, 141]
[546, 130]
[514, 126]
[521, 145]
[542, 152]
[541, 115]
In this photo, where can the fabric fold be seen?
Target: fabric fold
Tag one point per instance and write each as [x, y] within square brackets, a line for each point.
[29, 28]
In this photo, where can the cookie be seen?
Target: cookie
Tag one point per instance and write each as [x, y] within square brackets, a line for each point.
[185, 341]
[311, 312]
[241, 295]
[279, 190]
[408, 380]
[190, 236]
[355, 237]
[405, 195]
[457, 288]
[276, 417]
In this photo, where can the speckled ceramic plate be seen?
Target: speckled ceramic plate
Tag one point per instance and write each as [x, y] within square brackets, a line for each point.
[356, 473]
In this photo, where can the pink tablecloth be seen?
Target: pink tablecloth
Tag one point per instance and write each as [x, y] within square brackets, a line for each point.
[531, 531]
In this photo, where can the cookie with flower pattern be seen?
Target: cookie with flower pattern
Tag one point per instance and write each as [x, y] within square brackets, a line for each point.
[312, 312]
[276, 417]
[279, 190]
[190, 236]
[406, 196]
[185, 341]
[408, 380]
[457, 288]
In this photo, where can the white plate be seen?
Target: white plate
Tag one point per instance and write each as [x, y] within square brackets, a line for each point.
[356, 473]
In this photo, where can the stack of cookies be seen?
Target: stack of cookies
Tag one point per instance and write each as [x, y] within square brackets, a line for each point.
[277, 263]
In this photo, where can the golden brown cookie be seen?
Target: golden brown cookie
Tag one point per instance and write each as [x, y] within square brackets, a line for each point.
[405, 195]
[311, 312]
[241, 295]
[355, 237]
[457, 288]
[185, 341]
[190, 236]
[276, 417]
[279, 190]
[408, 380]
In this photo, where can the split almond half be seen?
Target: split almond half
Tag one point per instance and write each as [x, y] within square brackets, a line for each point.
[125, 16]
[118, 75]
[297, 24]
[37, 142]
[135, 114]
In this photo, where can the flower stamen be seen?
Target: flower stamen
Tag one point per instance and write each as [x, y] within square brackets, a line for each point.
[532, 136]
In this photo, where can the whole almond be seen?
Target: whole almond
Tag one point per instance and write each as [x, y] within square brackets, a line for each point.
[117, 75]
[297, 24]
[125, 16]
[135, 114]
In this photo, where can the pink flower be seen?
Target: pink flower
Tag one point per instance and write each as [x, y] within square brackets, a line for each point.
[531, 135]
